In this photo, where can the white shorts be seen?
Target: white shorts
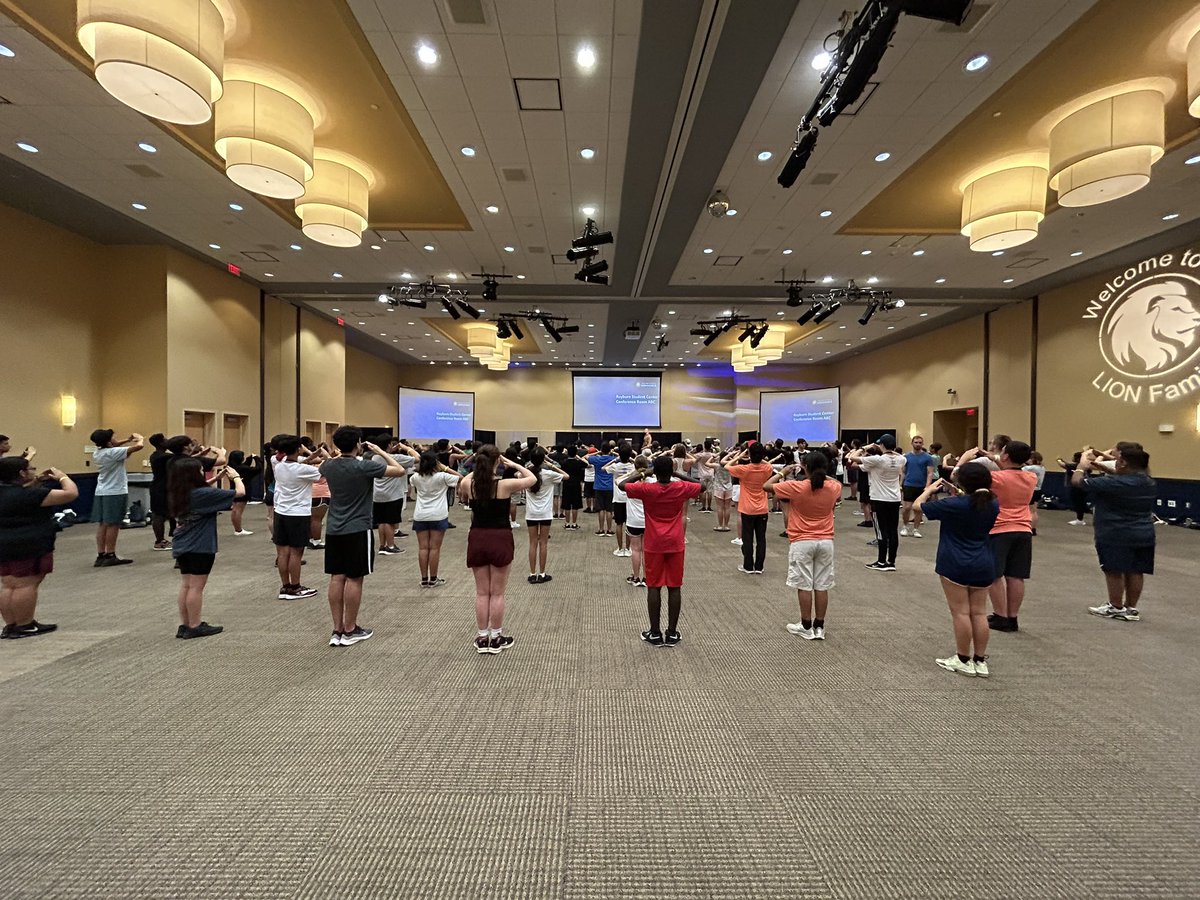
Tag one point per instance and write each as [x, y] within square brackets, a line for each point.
[810, 565]
[722, 491]
[737, 493]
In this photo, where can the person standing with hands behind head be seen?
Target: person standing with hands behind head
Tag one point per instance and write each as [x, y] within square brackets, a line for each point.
[27, 533]
[194, 506]
[430, 519]
[292, 524]
[1123, 518]
[752, 505]
[112, 492]
[884, 472]
[964, 560]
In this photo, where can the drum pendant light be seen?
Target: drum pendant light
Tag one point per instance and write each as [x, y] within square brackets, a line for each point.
[333, 209]
[1003, 209]
[499, 361]
[481, 340]
[1193, 75]
[770, 347]
[265, 138]
[164, 59]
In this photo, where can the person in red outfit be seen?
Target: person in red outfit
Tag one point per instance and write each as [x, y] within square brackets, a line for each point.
[664, 499]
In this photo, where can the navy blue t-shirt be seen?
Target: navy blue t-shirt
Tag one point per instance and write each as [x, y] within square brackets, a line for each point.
[1123, 508]
[197, 531]
[964, 554]
[603, 479]
[915, 467]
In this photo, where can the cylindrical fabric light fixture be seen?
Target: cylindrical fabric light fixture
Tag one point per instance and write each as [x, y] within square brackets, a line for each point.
[770, 347]
[164, 59]
[1104, 151]
[333, 209]
[1193, 75]
[741, 355]
[481, 339]
[499, 359]
[1003, 209]
[265, 138]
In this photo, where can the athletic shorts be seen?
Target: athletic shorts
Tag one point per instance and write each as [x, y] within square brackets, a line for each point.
[438, 525]
[1036, 498]
[533, 522]
[722, 491]
[911, 492]
[634, 532]
[664, 569]
[1013, 554]
[589, 489]
[109, 510]
[269, 496]
[572, 501]
[291, 531]
[352, 555]
[387, 512]
[1119, 559]
[27, 568]
[319, 501]
[619, 513]
[489, 547]
[195, 563]
[735, 493]
[706, 483]
[604, 501]
[810, 565]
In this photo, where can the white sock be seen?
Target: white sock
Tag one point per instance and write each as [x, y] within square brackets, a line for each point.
[483, 632]
[496, 632]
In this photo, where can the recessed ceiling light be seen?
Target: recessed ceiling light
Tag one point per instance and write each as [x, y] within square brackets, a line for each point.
[828, 279]
[787, 252]
[891, 328]
[590, 325]
[521, 277]
[335, 309]
[427, 54]
[337, 274]
[883, 157]
[1009, 280]
[430, 248]
[269, 274]
[510, 249]
[467, 151]
[708, 249]
[820, 61]
[376, 247]
[585, 57]
[975, 63]
[407, 276]
[493, 209]
[764, 155]
[1169, 216]
[218, 247]
[939, 281]
[841, 326]
[918, 253]
[588, 152]
[1192, 160]
[236, 207]
[1077, 253]
[295, 246]
[148, 148]
[138, 206]
[872, 280]
[826, 213]
[588, 210]
[923, 315]
[731, 211]
[865, 253]
[5, 52]
[28, 148]
[997, 253]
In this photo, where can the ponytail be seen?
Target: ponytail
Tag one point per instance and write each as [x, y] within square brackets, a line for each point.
[484, 476]
[816, 464]
[537, 456]
[975, 479]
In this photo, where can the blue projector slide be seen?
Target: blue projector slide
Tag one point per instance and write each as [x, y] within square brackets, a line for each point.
[431, 415]
[812, 415]
[617, 401]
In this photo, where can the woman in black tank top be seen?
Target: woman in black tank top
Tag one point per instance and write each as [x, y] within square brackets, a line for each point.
[490, 542]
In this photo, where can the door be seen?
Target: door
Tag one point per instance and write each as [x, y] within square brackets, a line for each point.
[234, 432]
[330, 428]
[199, 426]
[313, 430]
[955, 429]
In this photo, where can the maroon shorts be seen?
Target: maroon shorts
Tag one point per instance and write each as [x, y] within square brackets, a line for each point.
[663, 569]
[27, 568]
[489, 547]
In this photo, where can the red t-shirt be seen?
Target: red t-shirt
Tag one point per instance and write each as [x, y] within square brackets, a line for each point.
[753, 500]
[1014, 489]
[663, 505]
[810, 512]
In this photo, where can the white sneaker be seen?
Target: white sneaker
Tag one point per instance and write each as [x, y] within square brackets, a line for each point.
[618, 552]
[242, 533]
[515, 524]
[858, 512]
[981, 669]
[799, 630]
[737, 542]
[819, 633]
[1130, 614]
[904, 531]
[916, 533]
[1077, 522]
[744, 570]
[1105, 611]
[953, 664]
[627, 552]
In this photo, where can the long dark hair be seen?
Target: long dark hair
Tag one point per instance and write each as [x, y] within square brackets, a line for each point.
[429, 463]
[816, 466]
[236, 458]
[975, 480]
[484, 477]
[183, 476]
[537, 456]
[12, 469]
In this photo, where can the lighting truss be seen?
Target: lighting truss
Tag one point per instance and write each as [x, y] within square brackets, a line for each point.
[795, 286]
[490, 284]
[584, 249]
[754, 328]
[452, 298]
[509, 325]
[824, 304]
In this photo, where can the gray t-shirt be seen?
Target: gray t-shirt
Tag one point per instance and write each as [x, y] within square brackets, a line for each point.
[110, 463]
[197, 531]
[390, 489]
[352, 490]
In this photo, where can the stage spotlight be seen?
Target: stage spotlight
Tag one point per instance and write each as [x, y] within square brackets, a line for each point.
[745, 334]
[713, 336]
[414, 302]
[576, 255]
[592, 240]
[795, 295]
[593, 279]
[700, 332]
[515, 326]
[568, 329]
[758, 336]
[449, 307]
[592, 269]
[867, 313]
[729, 323]
[806, 316]
[551, 330]
[834, 306]
[489, 289]
[385, 298]
[502, 331]
[799, 158]
[662, 342]
[892, 304]
[467, 308]
[862, 65]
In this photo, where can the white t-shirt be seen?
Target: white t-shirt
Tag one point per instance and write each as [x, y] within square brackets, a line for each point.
[293, 488]
[635, 513]
[113, 480]
[620, 470]
[884, 474]
[539, 505]
[589, 474]
[395, 488]
[431, 495]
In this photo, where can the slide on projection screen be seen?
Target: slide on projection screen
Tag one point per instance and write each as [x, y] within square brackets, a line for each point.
[432, 415]
[812, 415]
[617, 401]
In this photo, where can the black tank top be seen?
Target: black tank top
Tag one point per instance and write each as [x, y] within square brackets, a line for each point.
[490, 514]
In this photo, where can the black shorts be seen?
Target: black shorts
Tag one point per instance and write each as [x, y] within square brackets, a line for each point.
[1120, 559]
[911, 492]
[291, 531]
[195, 563]
[603, 501]
[864, 487]
[352, 555]
[618, 511]
[1036, 499]
[634, 532]
[572, 496]
[387, 512]
[589, 489]
[1013, 554]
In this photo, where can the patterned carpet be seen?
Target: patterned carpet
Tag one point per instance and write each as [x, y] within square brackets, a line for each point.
[585, 764]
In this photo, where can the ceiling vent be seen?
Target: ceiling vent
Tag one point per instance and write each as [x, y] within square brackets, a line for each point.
[538, 93]
[388, 237]
[466, 12]
[560, 260]
[727, 260]
[908, 241]
[1027, 263]
[970, 23]
[535, 249]
[824, 178]
[516, 174]
[259, 256]
[144, 171]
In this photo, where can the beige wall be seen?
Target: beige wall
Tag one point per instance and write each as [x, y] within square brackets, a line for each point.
[371, 385]
[1010, 373]
[322, 370]
[279, 366]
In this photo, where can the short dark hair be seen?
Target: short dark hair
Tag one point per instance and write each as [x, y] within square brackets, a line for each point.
[179, 443]
[1018, 452]
[663, 468]
[102, 436]
[287, 444]
[12, 467]
[347, 438]
[887, 441]
[157, 440]
[3, 438]
[757, 453]
[1136, 459]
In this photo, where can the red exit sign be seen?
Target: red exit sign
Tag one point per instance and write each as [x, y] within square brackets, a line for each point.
[234, 270]
[971, 411]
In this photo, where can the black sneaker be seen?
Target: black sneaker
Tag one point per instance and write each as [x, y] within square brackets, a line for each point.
[1003, 623]
[532, 579]
[424, 582]
[866, 524]
[483, 645]
[877, 566]
[180, 630]
[451, 525]
[629, 579]
[500, 642]
[391, 551]
[100, 558]
[201, 630]
[653, 637]
[115, 561]
[436, 582]
[672, 638]
[543, 578]
[358, 634]
[887, 567]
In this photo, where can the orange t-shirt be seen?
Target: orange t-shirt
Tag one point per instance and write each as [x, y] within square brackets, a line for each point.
[1014, 489]
[753, 501]
[810, 512]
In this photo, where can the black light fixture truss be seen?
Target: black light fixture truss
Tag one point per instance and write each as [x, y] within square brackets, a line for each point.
[753, 327]
[795, 286]
[824, 304]
[418, 294]
[584, 249]
[489, 284]
[556, 326]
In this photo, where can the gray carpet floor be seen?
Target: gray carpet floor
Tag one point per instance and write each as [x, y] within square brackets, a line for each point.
[583, 763]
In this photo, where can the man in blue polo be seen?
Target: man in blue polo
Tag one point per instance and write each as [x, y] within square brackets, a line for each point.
[604, 487]
[920, 469]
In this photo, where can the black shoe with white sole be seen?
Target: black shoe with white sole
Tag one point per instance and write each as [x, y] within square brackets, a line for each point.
[653, 637]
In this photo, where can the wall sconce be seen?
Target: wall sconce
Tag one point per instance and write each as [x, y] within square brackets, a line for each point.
[68, 410]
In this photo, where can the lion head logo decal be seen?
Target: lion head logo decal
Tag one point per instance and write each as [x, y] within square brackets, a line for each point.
[1153, 327]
